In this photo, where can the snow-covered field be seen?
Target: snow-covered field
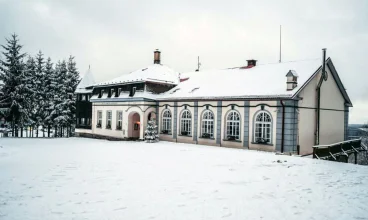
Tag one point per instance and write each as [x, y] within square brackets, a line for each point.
[79, 178]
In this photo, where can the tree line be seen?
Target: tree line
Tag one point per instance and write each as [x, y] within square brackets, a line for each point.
[36, 93]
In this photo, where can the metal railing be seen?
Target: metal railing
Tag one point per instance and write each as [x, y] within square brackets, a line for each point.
[337, 150]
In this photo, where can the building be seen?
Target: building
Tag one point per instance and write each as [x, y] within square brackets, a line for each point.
[282, 107]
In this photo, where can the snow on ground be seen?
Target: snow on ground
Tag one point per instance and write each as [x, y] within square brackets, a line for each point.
[79, 178]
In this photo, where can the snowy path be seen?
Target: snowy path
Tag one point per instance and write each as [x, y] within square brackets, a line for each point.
[96, 179]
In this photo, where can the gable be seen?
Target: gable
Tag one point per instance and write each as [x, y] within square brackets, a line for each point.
[333, 75]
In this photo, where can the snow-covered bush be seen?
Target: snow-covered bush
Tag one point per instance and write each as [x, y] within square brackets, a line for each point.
[151, 132]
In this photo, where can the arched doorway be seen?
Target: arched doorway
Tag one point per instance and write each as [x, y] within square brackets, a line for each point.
[134, 125]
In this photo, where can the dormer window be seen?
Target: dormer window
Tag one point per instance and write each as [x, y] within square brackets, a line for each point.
[101, 93]
[118, 93]
[111, 92]
[292, 80]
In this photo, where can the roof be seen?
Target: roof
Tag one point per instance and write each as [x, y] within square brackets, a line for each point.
[86, 81]
[261, 81]
[156, 73]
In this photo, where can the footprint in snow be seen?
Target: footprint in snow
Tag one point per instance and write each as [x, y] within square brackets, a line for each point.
[227, 215]
[119, 209]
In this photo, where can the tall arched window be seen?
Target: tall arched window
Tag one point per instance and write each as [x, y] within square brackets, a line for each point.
[207, 124]
[233, 126]
[166, 122]
[262, 131]
[186, 123]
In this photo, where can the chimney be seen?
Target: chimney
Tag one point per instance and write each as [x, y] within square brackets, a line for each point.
[251, 63]
[157, 57]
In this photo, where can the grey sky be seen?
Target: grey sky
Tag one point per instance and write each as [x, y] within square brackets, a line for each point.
[117, 37]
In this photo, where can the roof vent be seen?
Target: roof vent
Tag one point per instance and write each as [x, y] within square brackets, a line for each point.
[157, 57]
[292, 80]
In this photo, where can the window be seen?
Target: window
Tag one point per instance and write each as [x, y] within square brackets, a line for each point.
[82, 121]
[111, 92]
[118, 94]
[88, 121]
[99, 119]
[101, 93]
[207, 124]
[262, 131]
[233, 126]
[108, 119]
[186, 123]
[166, 122]
[119, 120]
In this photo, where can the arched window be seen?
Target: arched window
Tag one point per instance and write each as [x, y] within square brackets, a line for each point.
[262, 131]
[233, 126]
[166, 122]
[207, 124]
[186, 123]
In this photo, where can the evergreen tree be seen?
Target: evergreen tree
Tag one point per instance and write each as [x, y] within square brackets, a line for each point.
[48, 91]
[71, 85]
[13, 90]
[59, 114]
[30, 81]
[151, 132]
[39, 84]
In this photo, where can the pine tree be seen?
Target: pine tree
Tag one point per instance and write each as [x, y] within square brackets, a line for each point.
[30, 94]
[71, 85]
[12, 75]
[48, 91]
[151, 132]
[39, 83]
[59, 114]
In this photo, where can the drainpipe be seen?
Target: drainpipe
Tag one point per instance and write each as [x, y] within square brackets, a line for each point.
[283, 125]
[319, 96]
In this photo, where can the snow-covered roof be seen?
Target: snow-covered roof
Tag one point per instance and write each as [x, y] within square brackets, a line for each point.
[86, 81]
[156, 73]
[261, 81]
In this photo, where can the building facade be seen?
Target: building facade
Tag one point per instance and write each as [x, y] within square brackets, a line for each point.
[284, 107]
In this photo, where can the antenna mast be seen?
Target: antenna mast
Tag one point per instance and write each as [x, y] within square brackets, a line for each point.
[199, 65]
[280, 45]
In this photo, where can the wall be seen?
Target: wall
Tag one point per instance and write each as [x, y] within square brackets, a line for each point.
[332, 122]
[128, 108]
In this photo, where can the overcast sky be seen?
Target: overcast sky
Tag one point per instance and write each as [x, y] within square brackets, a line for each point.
[117, 37]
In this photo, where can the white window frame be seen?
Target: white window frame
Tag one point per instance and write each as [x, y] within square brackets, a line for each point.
[262, 127]
[99, 119]
[119, 120]
[166, 121]
[186, 122]
[233, 125]
[208, 119]
[108, 119]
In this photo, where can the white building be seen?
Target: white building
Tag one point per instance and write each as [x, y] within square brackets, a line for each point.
[271, 107]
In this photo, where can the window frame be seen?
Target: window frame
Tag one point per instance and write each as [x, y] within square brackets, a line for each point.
[186, 123]
[235, 126]
[99, 119]
[263, 125]
[108, 113]
[119, 120]
[166, 126]
[207, 123]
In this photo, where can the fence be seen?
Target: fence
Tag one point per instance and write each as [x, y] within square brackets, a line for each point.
[338, 151]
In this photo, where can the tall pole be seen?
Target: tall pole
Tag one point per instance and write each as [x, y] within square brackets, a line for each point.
[280, 45]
